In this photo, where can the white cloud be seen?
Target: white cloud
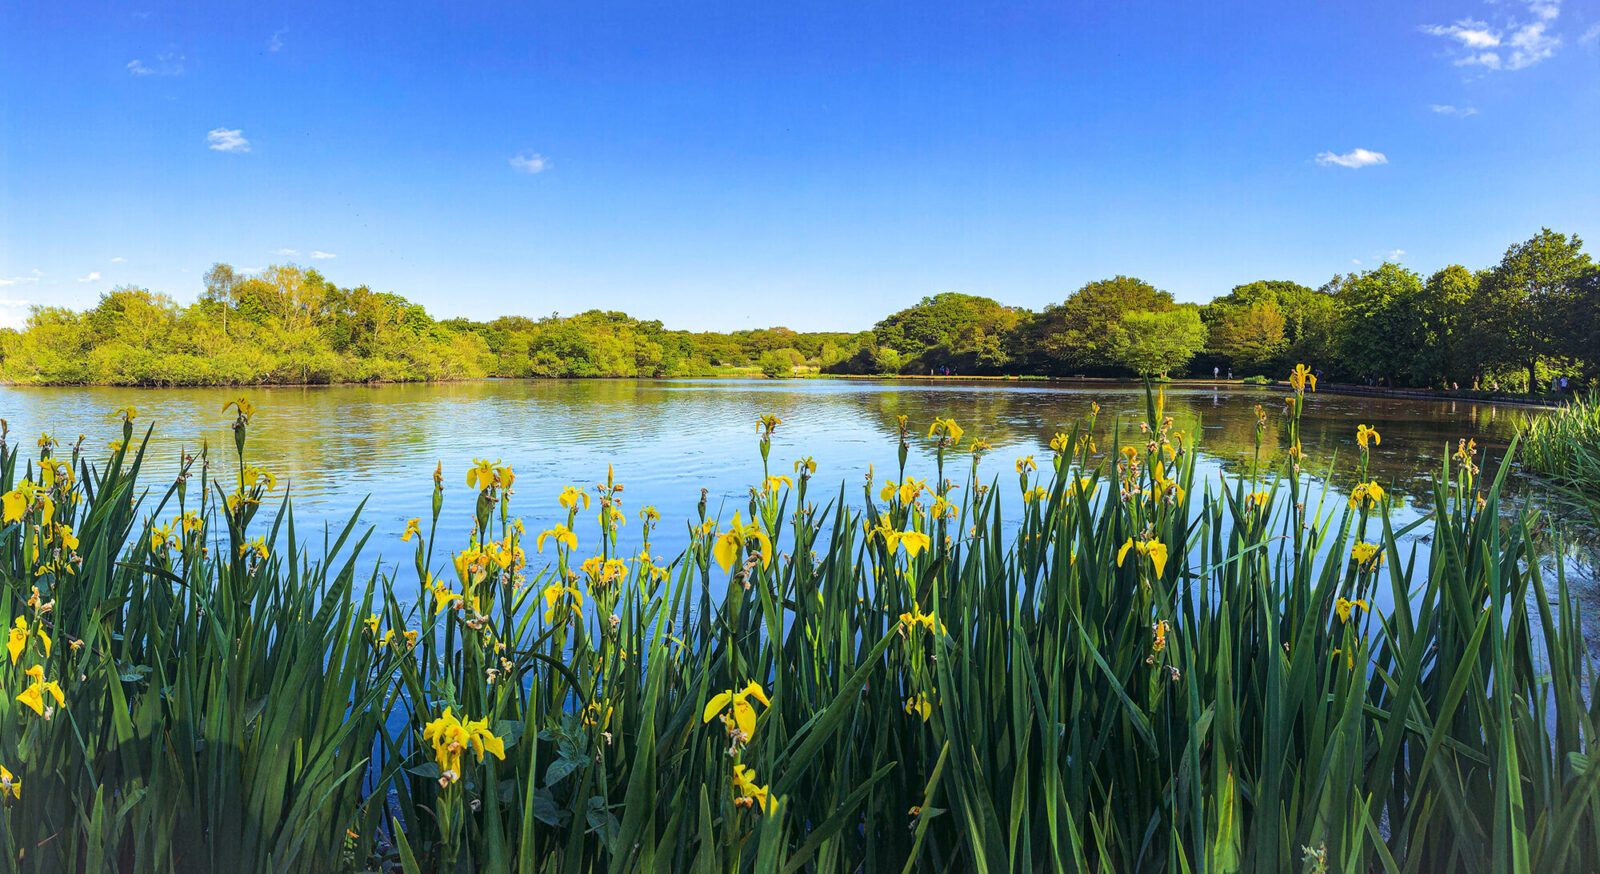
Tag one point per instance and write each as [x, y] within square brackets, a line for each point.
[1353, 159]
[14, 313]
[1458, 111]
[322, 256]
[94, 276]
[1356, 261]
[224, 140]
[1490, 60]
[165, 64]
[17, 280]
[1471, 34]
[1531, 44]
[1592, 35]
[288, 253]
[276, 43]
[1394, 254]
[118, 260]
[1515, 43]
[1545, 9]
[531, 163]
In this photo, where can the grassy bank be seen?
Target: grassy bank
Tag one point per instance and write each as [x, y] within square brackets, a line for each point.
[1565, 444]
[1144, 672]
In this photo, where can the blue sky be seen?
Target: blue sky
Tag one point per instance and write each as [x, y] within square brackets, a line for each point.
[723, 166]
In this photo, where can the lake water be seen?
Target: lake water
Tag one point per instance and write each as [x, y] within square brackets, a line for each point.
[667, 440]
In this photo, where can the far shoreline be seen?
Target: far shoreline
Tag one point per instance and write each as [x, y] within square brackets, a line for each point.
[1539, 402]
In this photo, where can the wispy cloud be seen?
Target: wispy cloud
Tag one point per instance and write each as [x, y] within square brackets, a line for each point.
[531, 163]
[118, 260]
[1394, 254]
[1516, 42]
[1530, 44]
[287, 253]
[1471, 34]
[1458, 111]
[14, 313]
[94, 276]
[224, 140]
[1592, 35]
[165, 64]
[1354, 159]
[18, 280]
[276, 43]
[322, 256]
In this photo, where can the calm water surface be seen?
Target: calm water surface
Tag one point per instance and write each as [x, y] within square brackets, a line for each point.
[667, 440]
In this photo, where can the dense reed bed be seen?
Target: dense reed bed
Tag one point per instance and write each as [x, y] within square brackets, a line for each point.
[1565, 444]
[1143, 672]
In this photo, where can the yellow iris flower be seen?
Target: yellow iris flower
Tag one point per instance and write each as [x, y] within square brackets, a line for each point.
[913, 541]
[33, 696]
[9, 784]
[602, 573]
[919, 705]
[946, 430]
[18, 640]
[906, 491]
[729, 543]
[15, 504]
[553, 596]
[442, 596]
[1155, 549]
[916, 617]
[244, 408]
[188, 522]
[743, 712]
[161, 538]
[747, 792]
[571, 496]
[561, 533]
[1368, 494]
[1344, 608]
[450, 737]
[482, 473]
[1302, 378]
[1364, 435]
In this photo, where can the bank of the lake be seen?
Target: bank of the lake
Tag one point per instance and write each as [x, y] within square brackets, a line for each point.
[1137, 654]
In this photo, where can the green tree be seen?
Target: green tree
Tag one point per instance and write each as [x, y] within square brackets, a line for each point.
[1251, 337]
[776, 365]
[1377, 316]
[1158, 342]
[1523, 298]
[1080, 333]
[961, 331]
[1444, 346]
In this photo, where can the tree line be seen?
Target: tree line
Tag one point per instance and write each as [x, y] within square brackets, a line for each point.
[1516, 325]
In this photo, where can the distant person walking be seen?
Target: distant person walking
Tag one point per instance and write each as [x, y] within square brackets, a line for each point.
[1216, 372]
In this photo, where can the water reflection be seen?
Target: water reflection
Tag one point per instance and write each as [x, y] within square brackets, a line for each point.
[669, 439]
